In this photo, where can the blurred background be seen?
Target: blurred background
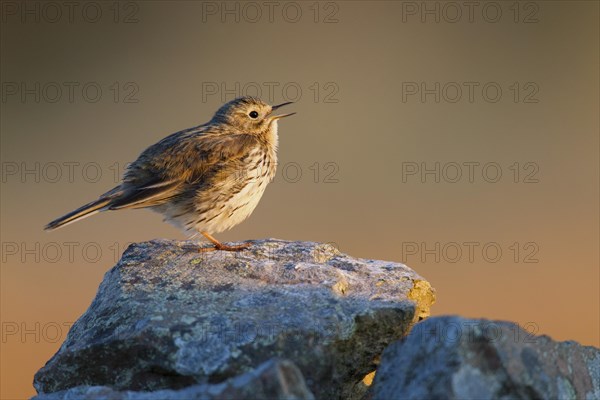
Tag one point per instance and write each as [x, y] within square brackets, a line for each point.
[459, 139]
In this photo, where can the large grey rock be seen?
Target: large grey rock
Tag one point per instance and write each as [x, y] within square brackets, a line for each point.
[456, 358]
[275, 379]
[167, 316]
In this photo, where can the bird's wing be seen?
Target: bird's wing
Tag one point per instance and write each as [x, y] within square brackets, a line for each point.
[145, 196]
[166, 169]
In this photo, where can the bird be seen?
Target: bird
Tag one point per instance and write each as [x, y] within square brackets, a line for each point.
[205, 179]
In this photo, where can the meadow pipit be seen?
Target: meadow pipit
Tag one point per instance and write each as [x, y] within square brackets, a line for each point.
[205, 179]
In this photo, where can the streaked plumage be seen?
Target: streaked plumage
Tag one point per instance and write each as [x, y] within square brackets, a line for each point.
[204, 179]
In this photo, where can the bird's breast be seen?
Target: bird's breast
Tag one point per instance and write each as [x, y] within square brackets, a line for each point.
[235, 197]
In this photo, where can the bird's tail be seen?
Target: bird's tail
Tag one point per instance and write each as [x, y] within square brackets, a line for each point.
[82, 212]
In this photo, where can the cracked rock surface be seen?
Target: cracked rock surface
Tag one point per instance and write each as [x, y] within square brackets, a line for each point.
[169, 317]
[458, 358]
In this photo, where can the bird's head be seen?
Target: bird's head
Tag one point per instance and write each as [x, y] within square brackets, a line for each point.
[249, 115]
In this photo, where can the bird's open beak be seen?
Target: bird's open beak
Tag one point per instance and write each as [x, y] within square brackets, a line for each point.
[279, 106]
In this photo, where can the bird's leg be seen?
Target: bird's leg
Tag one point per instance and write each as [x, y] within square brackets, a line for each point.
[221, 246]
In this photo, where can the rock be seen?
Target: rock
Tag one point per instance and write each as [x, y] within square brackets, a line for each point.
[457, 358]
[168, 317]
[275, 379]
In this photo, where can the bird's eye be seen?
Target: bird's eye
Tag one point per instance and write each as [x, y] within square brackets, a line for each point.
[253, 114]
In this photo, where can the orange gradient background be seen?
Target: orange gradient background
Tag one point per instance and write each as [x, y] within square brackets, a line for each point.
[356, 132]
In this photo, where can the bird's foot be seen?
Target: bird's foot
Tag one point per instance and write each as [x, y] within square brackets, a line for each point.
[221, 246]
[224, 247]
